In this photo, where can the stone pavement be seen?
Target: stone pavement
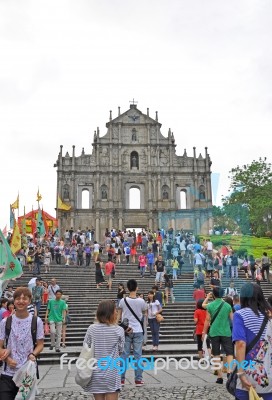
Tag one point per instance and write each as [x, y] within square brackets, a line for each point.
[196, 384]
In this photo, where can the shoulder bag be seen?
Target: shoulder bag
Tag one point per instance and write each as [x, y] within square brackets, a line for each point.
[232, 379]
[159, 318]
[133, 313]
[84, 372]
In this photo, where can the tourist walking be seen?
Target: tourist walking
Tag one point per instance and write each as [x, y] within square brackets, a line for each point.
[132, 309]
[153, 308]
[249, 323]
[105, 384]
[20, 338]
[99, 275]
[55, 315]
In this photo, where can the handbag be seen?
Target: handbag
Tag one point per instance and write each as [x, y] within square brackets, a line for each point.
[26, 380]
[232, 379]
[253, 394]
[68, 319]
[159, 318]
[46, 329]
[84, 372]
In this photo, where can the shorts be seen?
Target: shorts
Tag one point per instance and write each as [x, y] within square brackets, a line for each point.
[108, 277]
[159, 276]
[222, 341]
[200, 343]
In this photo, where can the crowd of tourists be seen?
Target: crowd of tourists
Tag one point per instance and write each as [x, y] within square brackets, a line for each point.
[226, 321]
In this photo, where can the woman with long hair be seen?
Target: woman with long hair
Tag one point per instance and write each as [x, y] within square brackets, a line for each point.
[251, 320]
[99, 277]
[199, 320]
[108, 339]
[153, 309]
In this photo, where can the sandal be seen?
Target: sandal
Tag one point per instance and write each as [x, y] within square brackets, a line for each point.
[63, 345]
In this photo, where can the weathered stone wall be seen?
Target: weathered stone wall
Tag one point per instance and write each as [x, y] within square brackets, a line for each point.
[134, 154]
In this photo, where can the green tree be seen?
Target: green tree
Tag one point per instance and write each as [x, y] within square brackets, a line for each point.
[252, 191]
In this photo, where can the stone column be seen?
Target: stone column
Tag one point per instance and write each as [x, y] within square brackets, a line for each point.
[97, 226]
[150, 221]
[120, 220]
[110, 192]
[172, 194]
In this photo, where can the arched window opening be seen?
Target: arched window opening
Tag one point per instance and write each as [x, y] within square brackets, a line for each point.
[85, 198]
[134, 160]
[183, 200]
[134, 199]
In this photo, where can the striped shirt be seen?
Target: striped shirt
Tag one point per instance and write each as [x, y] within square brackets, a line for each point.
[108, 342]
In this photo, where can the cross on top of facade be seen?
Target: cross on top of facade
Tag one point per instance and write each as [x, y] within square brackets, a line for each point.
[133, 102]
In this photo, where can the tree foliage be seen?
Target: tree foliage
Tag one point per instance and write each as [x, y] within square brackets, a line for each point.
[252, 195]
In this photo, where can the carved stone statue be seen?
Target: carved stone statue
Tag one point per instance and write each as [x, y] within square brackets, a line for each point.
[104, 195]
[134, 137]
[134, 161]
[165, 195]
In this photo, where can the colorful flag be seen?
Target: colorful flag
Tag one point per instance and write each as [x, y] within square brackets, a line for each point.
[15, 242]
[5, 231]
[45, 223]
[24, 224]
[11, 218]
[15, 205]
[33, 224]
[63, 206]
[40, 224]
[39, 196]
[24, 237]
[10, 266]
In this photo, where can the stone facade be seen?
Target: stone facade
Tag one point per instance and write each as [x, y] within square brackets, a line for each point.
[134, 154]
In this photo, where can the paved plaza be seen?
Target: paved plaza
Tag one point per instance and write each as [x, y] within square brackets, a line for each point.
[56, 384]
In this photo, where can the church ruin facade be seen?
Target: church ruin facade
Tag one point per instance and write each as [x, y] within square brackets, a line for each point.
[174, 191]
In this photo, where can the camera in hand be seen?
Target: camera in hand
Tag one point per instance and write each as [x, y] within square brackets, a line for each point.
[125, 325]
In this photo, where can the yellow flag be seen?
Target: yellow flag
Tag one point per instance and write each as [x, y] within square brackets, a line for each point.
[39, 196]
[15, 205]
[15, 243]
[63, 206]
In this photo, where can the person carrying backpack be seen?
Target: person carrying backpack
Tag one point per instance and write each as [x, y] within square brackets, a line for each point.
[23, 332]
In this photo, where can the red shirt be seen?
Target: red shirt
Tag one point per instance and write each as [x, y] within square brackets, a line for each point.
[201, 316]
[199, 294]
[109, 266]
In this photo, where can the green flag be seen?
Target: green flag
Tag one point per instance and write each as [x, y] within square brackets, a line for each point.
[10, 266]
[40, 224]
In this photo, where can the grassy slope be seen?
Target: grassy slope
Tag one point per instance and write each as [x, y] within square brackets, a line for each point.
[249, 244]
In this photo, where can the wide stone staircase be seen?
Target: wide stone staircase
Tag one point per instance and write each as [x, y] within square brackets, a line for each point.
[176, 332]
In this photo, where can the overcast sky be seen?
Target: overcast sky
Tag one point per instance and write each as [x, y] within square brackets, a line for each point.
[204, 65]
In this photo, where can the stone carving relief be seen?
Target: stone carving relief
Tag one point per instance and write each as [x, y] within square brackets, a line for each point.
[164, 157]
[153, 132]
[115, 133]
[125, 157]
[153, 156]
[104, 156]
[115, 156]
[143, 157]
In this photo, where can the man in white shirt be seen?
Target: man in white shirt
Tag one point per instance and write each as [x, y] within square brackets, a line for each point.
[134, 339]
[52, 289]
